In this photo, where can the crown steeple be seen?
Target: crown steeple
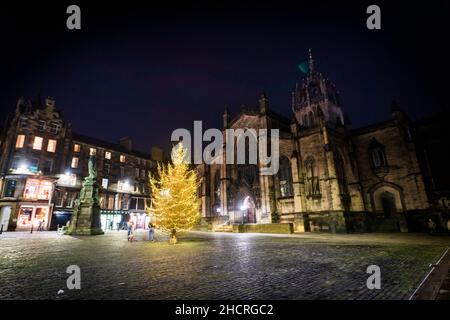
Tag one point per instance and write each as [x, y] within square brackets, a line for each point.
[316, 92]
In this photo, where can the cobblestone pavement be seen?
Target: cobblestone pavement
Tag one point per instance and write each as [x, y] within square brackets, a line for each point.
[215, 266]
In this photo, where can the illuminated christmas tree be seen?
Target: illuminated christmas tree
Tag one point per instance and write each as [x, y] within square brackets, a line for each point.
[174, 200]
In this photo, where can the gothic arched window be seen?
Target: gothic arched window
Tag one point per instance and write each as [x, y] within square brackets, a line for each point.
[312, 177]
[377, 154]
[340, 173]
[285, 177]
[217, 185]
[217, 191]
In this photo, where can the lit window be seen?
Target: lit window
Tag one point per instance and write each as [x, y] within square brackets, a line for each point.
[51, 147]
[108, 155]
[31, 189]
[110, 202]
[74, 163]
[37, 143]
[68, 179]
[41, 125]
[76, 147]
[92, 151]
[38, 189]
[20, 141]
[45, 189]
[105, 183]
[122, 158]
[124, 185]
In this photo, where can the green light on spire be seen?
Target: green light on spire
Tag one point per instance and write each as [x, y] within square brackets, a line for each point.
[304, 67]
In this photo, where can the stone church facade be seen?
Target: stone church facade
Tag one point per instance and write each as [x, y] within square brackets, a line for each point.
[331, 178]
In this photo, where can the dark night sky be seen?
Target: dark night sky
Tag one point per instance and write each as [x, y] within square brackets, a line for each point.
[144, 70]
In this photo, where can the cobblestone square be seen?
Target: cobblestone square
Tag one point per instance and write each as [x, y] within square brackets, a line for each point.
[215, 265]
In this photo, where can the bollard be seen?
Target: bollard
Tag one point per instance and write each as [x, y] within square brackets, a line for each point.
[31, 231]
[1, 229]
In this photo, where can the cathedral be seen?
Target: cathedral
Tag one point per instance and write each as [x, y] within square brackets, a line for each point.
[331, 177]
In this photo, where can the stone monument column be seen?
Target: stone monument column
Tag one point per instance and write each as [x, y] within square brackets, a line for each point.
[86, 214]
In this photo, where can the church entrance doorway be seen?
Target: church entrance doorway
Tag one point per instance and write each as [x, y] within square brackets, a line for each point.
[248, 210]
[388, 203]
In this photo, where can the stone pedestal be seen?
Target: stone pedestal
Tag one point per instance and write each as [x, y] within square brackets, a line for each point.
[85, 219]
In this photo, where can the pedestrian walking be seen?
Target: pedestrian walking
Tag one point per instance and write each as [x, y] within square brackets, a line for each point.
[431, 226]
[151, 231]
[130, 231]
[39, 226]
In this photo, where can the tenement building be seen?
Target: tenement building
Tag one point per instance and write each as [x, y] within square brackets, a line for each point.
[43, 163]
[331, 178]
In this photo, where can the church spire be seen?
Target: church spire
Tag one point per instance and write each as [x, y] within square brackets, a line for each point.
[226, 117]
[263, 103]
[317, 97]
[311, 61]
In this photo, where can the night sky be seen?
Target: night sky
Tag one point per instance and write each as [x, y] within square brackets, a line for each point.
[143, 70]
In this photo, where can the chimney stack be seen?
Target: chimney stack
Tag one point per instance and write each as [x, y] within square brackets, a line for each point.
[126, 143]
[157, 154]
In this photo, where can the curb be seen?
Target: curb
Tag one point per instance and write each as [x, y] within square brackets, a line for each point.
[429, 288]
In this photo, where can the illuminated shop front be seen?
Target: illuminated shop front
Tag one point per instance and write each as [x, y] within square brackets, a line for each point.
[140, 220]
[37, 189]
[113, 219]
[30, 214]
[36, 209]
[137, 212]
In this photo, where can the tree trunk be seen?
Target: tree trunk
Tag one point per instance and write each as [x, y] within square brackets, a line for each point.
[173, 237]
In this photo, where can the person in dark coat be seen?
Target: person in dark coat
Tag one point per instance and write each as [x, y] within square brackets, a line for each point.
[151, 231]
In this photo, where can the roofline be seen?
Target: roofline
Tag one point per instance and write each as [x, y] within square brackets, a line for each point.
[253, 112]
[374, 126]
[109, 145]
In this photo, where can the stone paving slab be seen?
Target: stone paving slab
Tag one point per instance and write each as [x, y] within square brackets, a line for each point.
[215, 265]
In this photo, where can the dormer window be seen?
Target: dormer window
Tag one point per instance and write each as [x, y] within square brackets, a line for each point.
[55, 127]
[41, 125]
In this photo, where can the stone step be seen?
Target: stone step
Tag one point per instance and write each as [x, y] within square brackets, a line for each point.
[223, 228]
